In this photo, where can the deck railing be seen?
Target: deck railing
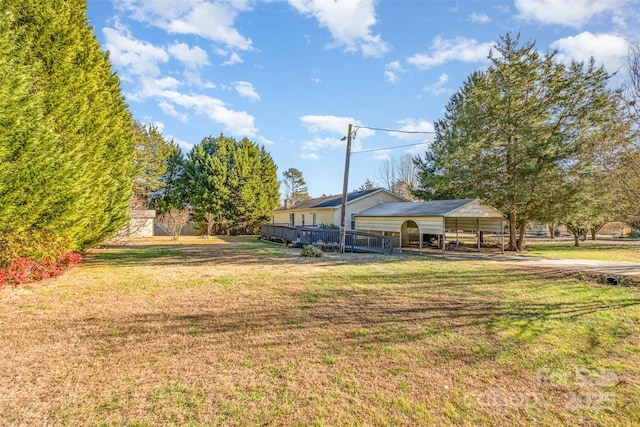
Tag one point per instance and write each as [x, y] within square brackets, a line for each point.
[355, 241]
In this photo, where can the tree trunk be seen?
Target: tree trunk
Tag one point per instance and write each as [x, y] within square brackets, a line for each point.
[576, 240]
[593, 234]
[523, 226]
[513, 238]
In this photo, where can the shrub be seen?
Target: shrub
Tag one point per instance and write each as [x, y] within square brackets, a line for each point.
[311, 251]
[24, 270]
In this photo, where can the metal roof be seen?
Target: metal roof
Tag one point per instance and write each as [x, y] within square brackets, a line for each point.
[431, 208]
[329, 201]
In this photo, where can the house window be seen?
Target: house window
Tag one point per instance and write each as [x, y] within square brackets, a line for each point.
[313, 217]
[303, 220]
[353, 221]
[292, 220]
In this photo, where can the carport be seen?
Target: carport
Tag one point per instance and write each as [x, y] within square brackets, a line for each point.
[432, 218]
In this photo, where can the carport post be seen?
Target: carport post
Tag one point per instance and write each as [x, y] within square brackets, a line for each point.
[444, 238]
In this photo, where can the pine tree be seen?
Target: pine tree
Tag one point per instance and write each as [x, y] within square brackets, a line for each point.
[231, 186]
[510, 133]
[173, 192]
[152, 152]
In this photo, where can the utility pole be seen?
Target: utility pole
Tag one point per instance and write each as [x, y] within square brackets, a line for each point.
[344, 192]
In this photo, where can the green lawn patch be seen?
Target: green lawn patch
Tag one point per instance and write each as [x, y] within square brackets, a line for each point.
[204, 334]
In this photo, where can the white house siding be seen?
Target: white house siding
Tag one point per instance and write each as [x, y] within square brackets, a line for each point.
[362, 204]
[323, 216]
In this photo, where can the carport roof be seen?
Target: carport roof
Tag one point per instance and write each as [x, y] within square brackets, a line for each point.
[422, 209]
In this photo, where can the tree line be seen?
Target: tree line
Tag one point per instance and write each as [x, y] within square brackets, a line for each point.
[226, 186]
[539, 140]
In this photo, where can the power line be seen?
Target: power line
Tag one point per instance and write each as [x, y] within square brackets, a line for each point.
[393, 130]
[388, 148]
[390, 130]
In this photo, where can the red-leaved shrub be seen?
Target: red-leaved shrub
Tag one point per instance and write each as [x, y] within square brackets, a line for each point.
[24, 270]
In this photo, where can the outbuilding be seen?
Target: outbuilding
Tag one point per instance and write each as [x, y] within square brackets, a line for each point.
[418, 221]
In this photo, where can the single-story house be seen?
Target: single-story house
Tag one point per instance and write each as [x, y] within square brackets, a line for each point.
[327, 210]
[414, 221]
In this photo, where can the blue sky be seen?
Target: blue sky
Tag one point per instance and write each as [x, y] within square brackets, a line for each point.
[293, 74]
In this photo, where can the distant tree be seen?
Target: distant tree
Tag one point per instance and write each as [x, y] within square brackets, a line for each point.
[172, 194]
[400, 176]
[294, 185]
[173, 221]
[152, 152]
[232, 186]
[368, 185]
[513, 133]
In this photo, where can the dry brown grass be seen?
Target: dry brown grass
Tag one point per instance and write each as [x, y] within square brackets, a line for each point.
[237, 332]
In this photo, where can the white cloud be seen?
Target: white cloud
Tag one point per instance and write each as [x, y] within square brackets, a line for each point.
[482, 18]
[309, 156]
[417, 126]
[211, 20]
[170, 110]
[573, 13]
[392, 71]
[438, 88]
[606, 49]
[135, 56]
[236, 122]
[348, 21]
[246, 90]
[193, 58]
[234, 58]
[458, 49]
[337, 127]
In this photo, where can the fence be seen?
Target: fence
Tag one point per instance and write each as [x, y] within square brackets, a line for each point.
[355, 241]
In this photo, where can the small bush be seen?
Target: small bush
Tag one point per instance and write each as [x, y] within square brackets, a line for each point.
[311, 251]
[25, 270]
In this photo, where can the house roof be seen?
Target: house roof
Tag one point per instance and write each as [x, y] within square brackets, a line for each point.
[329, 201]
[421, 209]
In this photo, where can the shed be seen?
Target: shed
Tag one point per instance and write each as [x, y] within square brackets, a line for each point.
[431, 218]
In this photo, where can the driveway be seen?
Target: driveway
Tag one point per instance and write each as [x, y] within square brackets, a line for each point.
[603, 268]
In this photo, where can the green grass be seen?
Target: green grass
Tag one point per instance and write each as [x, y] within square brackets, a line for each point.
[604, 251]
[239, 333]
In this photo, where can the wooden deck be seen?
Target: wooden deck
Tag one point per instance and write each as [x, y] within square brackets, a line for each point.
[355, 241]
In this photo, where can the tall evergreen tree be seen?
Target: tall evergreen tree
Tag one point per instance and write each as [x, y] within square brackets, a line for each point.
[230, 185]
[152, 152]
[173, 191]
[510, 133]
[85, 113]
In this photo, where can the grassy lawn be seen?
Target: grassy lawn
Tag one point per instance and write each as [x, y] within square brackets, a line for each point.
[605, 250]
[237, 332]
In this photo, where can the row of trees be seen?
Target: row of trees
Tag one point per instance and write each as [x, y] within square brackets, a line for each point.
[66, 151]
[227, 185]
[537, 139]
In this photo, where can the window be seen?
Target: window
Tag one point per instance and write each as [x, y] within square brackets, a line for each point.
[353, 221]
[292, 220]
[313, 216]
[303, 220]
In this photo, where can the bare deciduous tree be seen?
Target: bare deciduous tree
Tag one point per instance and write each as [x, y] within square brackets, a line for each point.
[173, 221]
[400, 176]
